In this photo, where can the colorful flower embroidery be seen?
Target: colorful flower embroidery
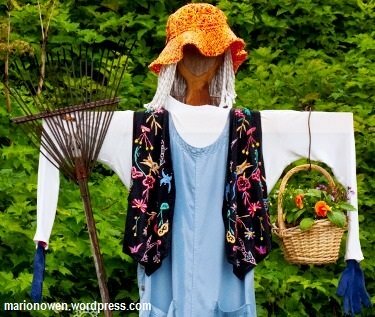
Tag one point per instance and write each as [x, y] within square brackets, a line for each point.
[136, 248]
[250, 140]
[256, 175]
[143, 138]
[166, 180]
[243, 183]
[240, 169]
[243, 123]
[135, 173]
[148, 182]
[249, 234]
[163, 229]
[154, 124]
[139, 204]
[239, 114]
[152, 184]
[245, 208]
[154, 167]
[230, 237]
[247, 255]
[261, 250]
[253, 207]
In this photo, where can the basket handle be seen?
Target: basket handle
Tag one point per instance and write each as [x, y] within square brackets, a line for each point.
[284, 181]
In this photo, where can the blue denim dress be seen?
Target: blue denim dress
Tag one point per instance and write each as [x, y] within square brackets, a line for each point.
[196, 279]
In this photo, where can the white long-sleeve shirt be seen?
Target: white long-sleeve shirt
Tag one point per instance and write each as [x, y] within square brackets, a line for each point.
[285, 139]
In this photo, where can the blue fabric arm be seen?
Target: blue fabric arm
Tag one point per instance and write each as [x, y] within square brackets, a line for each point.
[39, 267]
[352, 288]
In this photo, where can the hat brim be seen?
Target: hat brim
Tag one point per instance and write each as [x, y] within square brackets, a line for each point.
[210, 43]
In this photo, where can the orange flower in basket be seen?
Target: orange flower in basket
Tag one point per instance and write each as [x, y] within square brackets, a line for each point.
[298, 200]
[321, 208]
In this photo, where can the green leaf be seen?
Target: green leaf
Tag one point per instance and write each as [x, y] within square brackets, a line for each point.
[346, 206]
[299, 213]
[306, 224]
[314, 193]
[289, 218]
[337, 218]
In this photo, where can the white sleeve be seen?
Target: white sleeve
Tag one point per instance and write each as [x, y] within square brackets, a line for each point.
[47, 196]
[286, 139]
[116, 151]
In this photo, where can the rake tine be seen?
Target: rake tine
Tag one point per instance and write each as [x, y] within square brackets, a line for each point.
[80, 71]
[125, 63]
[91, 75]
[24, 107]
[28, 81]
[19, 100]
[108, 79]
[68, 79]
[100, 113]
[101, 72]
[52, 69]
[49, 150]
[115, 78]
[104, 76]
[86, 73]
[123, 68]
[81, 93]
[77, 93]
[58, 133]
[87, 142]
[93, 143]
[109, 115]
[59, 89]
[44, 104]
[47, 83]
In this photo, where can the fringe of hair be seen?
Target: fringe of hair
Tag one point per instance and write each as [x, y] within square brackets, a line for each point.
[171, 83]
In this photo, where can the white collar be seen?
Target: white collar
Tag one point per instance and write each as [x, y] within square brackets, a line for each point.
[199, 126]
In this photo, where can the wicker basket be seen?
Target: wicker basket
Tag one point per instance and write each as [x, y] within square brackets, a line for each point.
[318, 245]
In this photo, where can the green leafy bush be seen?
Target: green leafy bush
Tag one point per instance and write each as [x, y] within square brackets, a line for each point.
[316, 53]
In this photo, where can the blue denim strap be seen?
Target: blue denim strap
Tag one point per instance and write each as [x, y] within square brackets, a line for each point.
[39, 268]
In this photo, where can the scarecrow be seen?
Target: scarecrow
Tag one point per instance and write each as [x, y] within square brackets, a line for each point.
[197, 221]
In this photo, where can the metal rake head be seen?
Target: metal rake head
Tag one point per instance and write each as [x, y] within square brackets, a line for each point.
[67, 101]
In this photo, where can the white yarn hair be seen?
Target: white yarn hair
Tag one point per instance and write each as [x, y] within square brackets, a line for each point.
[171, 83]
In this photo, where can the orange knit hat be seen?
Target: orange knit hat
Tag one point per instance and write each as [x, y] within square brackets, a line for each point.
[204, 26]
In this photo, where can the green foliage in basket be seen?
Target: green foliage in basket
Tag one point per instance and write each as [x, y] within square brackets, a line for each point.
[303, 206]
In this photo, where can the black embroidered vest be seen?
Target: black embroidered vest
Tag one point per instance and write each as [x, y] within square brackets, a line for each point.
[152, 193]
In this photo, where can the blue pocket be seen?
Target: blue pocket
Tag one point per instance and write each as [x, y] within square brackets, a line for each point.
[246, 310]
[157, 312]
